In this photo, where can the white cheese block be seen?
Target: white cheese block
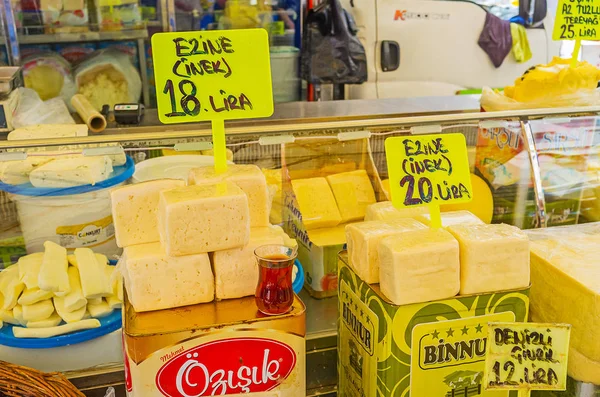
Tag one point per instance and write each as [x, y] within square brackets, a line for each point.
[10, 287]
[8, 317]
[51, 321]
[66, 315]
[155, 281]
[385, 211]
[38, 311]
[236, 270]
[34, 295]
[91, 272]
[18, 315]
[452, 218]
[247, 177]
[492, 258]
[99, 310]
[49, 332]
[53, 272]
[72, 172]
[43, 131]
[29, 269]
[74, 299]
[419, 266]
[16, 172]
[363, 243]
[134, 211]
[203, 218]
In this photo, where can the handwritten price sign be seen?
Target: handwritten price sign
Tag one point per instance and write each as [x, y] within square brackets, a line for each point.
[577, 19]
[527, 356]
[212, 75]
[428, 170]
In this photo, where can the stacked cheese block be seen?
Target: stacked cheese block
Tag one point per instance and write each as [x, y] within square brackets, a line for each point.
[189, 244]
[414, 263]
[565, 276]
[50, 287]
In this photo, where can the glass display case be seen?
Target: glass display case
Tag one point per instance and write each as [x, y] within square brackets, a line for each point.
[532, 169]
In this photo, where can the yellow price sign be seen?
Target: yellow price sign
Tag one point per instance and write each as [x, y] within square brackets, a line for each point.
[526, 356]
[212, 75]
[577, 20]
[428, 170]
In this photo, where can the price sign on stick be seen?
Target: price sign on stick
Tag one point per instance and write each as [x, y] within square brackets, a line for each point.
[577, 20]
[428, 170]
[526, 356]
[212, 76]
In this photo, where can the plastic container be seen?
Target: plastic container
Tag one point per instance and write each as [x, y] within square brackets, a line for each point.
[284, 73]
[173, 167]
[72, 217]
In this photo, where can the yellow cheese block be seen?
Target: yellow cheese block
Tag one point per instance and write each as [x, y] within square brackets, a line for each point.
[53, 272]
[34, 295]
[363, 240]
[385, 211]
[317, 203]
[492, 258]
[452, 218]
[29, 269]
[353, 192]
[419, 266]
[38, 311]
[66, 315]
[328, 236]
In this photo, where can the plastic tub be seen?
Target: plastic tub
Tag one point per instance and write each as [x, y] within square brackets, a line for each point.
[72, 217]
[173, 167]
[284, 73]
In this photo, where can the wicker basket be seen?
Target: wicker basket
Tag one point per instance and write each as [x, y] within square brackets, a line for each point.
[18, 381]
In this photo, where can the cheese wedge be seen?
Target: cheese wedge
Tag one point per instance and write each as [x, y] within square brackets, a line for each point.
[236, 270]
[452, 218]
[34, 295]
[363, 240]
[51, 321]
[247, 177]
[74, 299]
[8, 317]
[29, 269]
[99, 310]
[55, 331]
[316, 203]
[134, 211]
[328, 236]
[38, 311]
[53, 272]
[91, 272]
[18, 315]
[10, 287]
[203, 218]
[156, 281]
[419, 266]
[353, 192]
[68, 316]
[492, 258]
[72, 172]
[385, 211]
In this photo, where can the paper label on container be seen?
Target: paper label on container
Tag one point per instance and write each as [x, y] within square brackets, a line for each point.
[448, 357]
[88, 234]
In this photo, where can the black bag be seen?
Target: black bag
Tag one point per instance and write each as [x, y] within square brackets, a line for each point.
[331, 52]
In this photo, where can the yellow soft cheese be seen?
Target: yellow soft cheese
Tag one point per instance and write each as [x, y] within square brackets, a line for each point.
[51, 321]
[8, 317]
[236, 270]
[317, 203]
[49, 332]
[34, 295]
[38, 311]
[53, 272]
[492, 257]
[385, 211]
[29, 269]
[363, 240]
[353, 192]
[18, 315]
[74, 299]
[91, 272]
[72, 172]
[203, 218]
[328, 236]
[155, 281]
[247, 177]
[10, 287]
[116, 281]
[72, 260]
[99, 310]
[419, 266]
[134, 211]
[452, 218]
[66, 315]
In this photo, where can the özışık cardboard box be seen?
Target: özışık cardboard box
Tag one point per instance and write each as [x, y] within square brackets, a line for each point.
[319, 246]
[215, 348]
[426, 349]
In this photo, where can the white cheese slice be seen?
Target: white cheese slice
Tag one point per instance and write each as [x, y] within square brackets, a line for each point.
[72, 172]
[34, 295]
[134, 211]
[91, 271]
[29, 269]
[53, 272]
[49, 332]
[43, 131]
[74, 299]
[16, 172]
[68, 316]
[38, 311]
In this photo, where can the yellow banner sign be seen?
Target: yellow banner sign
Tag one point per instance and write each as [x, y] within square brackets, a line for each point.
[527, 356]
[577, 20]
[428, 170]
[212, 75]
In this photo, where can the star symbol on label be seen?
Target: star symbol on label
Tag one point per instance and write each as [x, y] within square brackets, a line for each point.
[479, 328]
[435, 334]
[465, 330]
[368, 320]
[450, 332]
[362, 314]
